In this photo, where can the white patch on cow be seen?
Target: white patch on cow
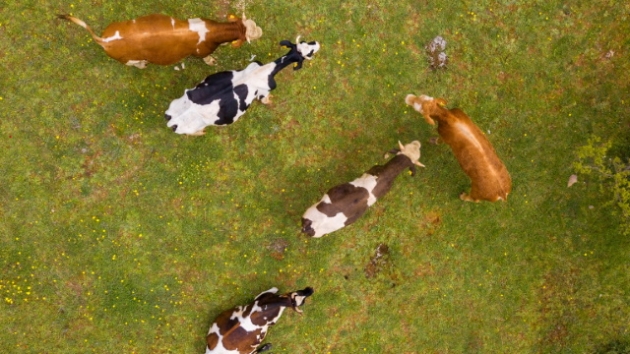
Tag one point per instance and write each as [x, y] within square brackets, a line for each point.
[190, 117]
[115, 37]
[464, 130]
[246, 322]
[173, 23]
[199, 26]
[368, 182]
[272, 291]
[137, 63]
[321, 223]
[307, 50]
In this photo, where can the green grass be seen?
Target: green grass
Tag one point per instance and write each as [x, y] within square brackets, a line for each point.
[118, 236]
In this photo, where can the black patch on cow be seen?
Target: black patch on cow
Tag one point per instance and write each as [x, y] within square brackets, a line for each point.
[228, 107]
[241, 91]
[215, 86]
[347, 199]
[307, 227]
[272, 82]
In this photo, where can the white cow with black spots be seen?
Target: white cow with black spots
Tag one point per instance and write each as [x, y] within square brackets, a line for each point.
[342, 205]
[225, 96]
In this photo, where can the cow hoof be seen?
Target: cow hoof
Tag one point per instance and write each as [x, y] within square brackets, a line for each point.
[264, 348]
[210, 60]
[174, 128]
[167, 117]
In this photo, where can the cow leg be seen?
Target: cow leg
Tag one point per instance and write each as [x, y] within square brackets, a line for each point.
[140, 64]
[210, 60]
[467, 198]
[199, 133]
[264, 348]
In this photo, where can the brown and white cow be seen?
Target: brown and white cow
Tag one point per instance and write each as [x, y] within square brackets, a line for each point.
[164, 40]
[490, 179]
[242, 329]
[342, 205]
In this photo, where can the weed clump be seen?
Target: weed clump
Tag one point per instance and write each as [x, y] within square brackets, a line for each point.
[612, 174]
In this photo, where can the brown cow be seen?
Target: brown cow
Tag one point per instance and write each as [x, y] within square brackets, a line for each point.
[490, 179]
[164, 40]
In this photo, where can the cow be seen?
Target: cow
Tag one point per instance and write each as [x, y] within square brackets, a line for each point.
[164, 40]
[474, 152]
[342, 205]
[242, 329]
[223, 97]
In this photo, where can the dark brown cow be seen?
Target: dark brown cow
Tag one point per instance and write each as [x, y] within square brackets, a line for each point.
[490, 179]
[344, 204]
[164, 40]
[242, 329]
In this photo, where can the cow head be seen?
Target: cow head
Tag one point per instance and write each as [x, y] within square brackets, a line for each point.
[307, 227]
[251, 30]
[298, 298]
[303, 50]
[427, 106]
[412, 151]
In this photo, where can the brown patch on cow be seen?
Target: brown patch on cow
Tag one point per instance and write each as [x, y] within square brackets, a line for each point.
[277, 248]
[241, 340]
[263, 317]
[378, 261]
[347, 199]
[212, 340]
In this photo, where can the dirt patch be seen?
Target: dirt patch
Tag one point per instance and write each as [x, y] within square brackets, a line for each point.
[431, 222]
[557, 299]
[378, 261]
[277, 248]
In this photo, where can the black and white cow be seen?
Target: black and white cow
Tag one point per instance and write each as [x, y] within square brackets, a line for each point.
[242, 329]
[344, 204]
[223, 97]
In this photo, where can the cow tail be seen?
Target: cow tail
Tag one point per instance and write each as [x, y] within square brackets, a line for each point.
[79, 22]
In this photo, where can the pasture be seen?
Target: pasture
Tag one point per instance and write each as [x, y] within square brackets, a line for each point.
[119, 236]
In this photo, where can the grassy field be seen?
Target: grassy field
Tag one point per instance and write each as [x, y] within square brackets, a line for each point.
[119, 236]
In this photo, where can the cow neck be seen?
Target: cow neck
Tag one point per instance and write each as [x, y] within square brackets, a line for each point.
[395, 166]
[292, 57]
[226, 32]
[277, 301]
